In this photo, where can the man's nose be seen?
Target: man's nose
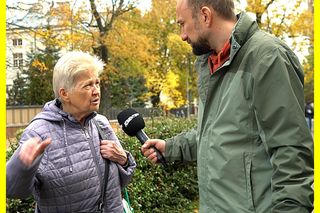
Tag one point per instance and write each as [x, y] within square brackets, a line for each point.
[183, 36]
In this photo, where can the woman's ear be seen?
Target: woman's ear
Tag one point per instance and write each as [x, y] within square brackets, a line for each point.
[206, 15]
[64, 95]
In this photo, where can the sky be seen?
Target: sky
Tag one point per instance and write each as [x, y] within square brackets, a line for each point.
[142, 4]
[32, 21]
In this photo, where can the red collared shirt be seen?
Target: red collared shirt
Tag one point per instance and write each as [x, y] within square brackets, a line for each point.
[216, 60]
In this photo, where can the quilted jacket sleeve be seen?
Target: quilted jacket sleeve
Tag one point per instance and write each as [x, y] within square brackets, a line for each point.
[125, 173]
[20, 179]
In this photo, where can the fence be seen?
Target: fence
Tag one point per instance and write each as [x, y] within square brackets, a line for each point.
[19, 116]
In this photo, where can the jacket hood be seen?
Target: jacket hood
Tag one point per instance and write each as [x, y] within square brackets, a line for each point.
[244, 29]
[52, 112]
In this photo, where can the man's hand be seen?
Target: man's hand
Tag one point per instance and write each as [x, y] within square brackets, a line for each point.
[31, 149]
[149, 152]
[109, 149]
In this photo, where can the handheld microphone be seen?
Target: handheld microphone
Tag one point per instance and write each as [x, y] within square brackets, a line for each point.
[132, 124]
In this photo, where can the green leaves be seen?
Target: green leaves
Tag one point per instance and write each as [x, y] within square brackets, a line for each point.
[153, 189]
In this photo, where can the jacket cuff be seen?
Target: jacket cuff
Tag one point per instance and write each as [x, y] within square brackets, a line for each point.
[127, 164]
[168, 152]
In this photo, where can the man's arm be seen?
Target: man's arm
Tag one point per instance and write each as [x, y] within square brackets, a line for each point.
[182, 147]
[278, 103]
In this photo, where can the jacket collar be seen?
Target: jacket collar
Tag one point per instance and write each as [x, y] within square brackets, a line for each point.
[243, 30]
[52, 112]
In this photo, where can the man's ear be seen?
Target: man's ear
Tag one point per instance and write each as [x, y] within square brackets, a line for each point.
[64, 95]
[206, 15]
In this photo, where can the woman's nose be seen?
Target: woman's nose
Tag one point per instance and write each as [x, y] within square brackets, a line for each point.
[96, 89]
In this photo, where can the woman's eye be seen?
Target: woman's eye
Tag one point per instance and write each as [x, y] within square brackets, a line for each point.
[88, 86]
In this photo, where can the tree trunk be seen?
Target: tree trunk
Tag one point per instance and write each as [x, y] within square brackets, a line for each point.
[105, 103]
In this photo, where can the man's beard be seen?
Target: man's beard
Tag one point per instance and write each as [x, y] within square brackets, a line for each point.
[200, 47]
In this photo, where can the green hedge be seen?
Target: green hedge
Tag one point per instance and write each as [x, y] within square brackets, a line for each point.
[152, 188]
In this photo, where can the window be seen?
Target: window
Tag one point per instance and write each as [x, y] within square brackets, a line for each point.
[31, 47]
[17, 42]
[17, 60]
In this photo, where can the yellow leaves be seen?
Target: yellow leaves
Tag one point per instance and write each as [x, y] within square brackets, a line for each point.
[177, 46]
[61, 28]
[171, 96]
[285, 19]
[171, 81]
[256, 6]
[51, 37]
[303, 24]
[39, 65]
[154, 80]
[308, 73]
[162, 17]
[109, 68]
[128, 43]
[279, 14]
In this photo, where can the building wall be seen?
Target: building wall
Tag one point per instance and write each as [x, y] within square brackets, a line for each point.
[27, 46]
[31, 43]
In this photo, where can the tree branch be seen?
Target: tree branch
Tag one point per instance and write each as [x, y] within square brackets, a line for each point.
[97, 17]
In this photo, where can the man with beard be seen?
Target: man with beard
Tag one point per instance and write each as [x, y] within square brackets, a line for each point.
[253, 149]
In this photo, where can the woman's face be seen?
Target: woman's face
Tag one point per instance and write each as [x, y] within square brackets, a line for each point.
[84, 97]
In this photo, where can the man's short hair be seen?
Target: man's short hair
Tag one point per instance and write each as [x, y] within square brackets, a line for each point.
[225, 8]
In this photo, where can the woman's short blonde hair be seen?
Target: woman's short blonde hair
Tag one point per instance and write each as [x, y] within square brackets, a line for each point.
[72, 64]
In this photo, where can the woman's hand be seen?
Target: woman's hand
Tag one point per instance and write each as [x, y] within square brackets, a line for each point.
[111, 150]
[31, 149]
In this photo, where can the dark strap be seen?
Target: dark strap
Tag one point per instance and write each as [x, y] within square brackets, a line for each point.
[106, 171]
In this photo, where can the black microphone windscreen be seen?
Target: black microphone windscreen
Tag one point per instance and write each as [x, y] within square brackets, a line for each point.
[130, 121]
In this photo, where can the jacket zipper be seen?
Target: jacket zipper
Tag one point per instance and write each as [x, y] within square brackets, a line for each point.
[95, 157]
[66, 145]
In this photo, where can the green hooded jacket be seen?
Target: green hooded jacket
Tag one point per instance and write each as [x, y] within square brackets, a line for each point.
[253, 148]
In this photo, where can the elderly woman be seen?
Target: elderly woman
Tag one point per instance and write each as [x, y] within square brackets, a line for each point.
[61, 158]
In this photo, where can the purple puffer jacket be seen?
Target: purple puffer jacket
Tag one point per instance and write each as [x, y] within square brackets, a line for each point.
[67, 177]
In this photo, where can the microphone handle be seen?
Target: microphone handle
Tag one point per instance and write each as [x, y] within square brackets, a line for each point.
[142, 136]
